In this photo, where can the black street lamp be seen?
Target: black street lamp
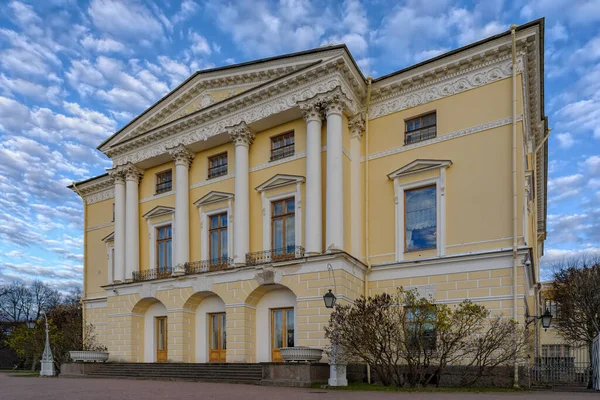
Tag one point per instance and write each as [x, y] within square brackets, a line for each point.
[546, 318]
[329, 299]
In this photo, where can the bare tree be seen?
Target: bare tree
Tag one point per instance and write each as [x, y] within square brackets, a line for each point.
[43, 297]
[575, 291]
[15, 302]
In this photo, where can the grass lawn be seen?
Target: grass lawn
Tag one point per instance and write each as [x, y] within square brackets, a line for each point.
[365, 387]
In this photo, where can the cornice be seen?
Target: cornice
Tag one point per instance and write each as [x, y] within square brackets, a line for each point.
[200, 127]
[100, 196]
[460, 81]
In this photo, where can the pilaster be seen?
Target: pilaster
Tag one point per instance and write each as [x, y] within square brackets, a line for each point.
[356, 126]
[118, 176]
[241, 333]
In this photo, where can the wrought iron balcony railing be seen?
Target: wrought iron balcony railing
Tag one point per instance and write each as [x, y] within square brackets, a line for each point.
[151, 274]
[215, 264]
[276, 255]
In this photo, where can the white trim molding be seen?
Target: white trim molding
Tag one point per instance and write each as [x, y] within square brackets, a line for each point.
[278, 181]
[156, 212]
[104, 225]
[399, 189]
[443, 137]
[214, 198]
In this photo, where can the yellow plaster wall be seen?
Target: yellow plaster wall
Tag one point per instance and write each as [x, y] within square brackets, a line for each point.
[478, 184]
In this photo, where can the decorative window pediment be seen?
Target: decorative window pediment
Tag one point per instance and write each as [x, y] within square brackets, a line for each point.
[419, 166]
[159, 211]
[280, 180]
[213, 197]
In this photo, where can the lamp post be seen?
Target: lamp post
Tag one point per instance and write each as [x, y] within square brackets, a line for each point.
[47, 359]
[337, 368]
[546, 318]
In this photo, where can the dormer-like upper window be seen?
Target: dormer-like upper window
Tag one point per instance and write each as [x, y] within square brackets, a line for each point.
[164, 181]
[282, 146]
[420, 128]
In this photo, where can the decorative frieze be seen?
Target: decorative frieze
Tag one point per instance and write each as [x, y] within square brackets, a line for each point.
[448, 85]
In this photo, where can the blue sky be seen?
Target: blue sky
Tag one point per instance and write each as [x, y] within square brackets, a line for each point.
[73, 72]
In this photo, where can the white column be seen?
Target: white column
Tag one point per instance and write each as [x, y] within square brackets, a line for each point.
[119, 178]
[314, 210]
[242, 138]
[183, 160]
[132, 221]
[334, 210]
[356, 126]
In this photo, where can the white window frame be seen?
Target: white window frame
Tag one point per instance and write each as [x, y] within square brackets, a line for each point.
[204, 228]
[266, 208]
[152, 234]
[399, 189]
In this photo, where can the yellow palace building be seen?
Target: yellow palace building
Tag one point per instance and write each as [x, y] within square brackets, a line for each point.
[248, 192]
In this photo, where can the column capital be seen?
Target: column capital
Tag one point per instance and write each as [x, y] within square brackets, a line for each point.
[334, 101]
[117, 174]
[132, 173]
[181, 155]
[356, 126]
[241, 135]
[311, 110]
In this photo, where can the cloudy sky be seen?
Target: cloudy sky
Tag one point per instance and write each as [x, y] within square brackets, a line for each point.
[73, 72]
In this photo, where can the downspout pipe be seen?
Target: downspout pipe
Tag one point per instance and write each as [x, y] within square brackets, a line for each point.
[367, 261]
[514, 196]
[84, 252]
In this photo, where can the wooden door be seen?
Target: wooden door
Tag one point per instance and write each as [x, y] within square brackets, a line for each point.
[282, 331]
[217, 337]
[161, 339]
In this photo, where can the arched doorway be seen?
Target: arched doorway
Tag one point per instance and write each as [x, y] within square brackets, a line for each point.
[276, 322]
[155, 333]
[211, 331]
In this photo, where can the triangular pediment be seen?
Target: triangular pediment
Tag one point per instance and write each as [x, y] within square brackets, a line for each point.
[419, 166]
[208, 88]
[213, 197]
[280, 180]
[159, 211]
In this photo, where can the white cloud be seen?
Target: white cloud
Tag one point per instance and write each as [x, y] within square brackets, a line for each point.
[580, 116]
[10, 87]
[565, 140]
[176, 71]
[127, 19]
[199, 43]
[565, 187]
[593, 165]
[104, 45]
[188, 9]
[557, 33]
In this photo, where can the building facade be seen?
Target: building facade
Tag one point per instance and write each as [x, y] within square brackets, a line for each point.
[248, 192]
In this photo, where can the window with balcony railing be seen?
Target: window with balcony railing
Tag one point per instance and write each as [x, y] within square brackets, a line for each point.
[217, 165]
[282, 146]
[420, 128]
[164, 181]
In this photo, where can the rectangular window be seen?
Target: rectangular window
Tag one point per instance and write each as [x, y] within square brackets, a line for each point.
[553, 307]
[282, 146]
[420, 218]
[420, 325]
[164, 181]
[283, 229]
[217, 165]
[163, 248]
[420, 128]
[217, 233]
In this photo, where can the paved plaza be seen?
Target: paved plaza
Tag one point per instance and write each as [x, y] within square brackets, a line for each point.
[23, 388]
